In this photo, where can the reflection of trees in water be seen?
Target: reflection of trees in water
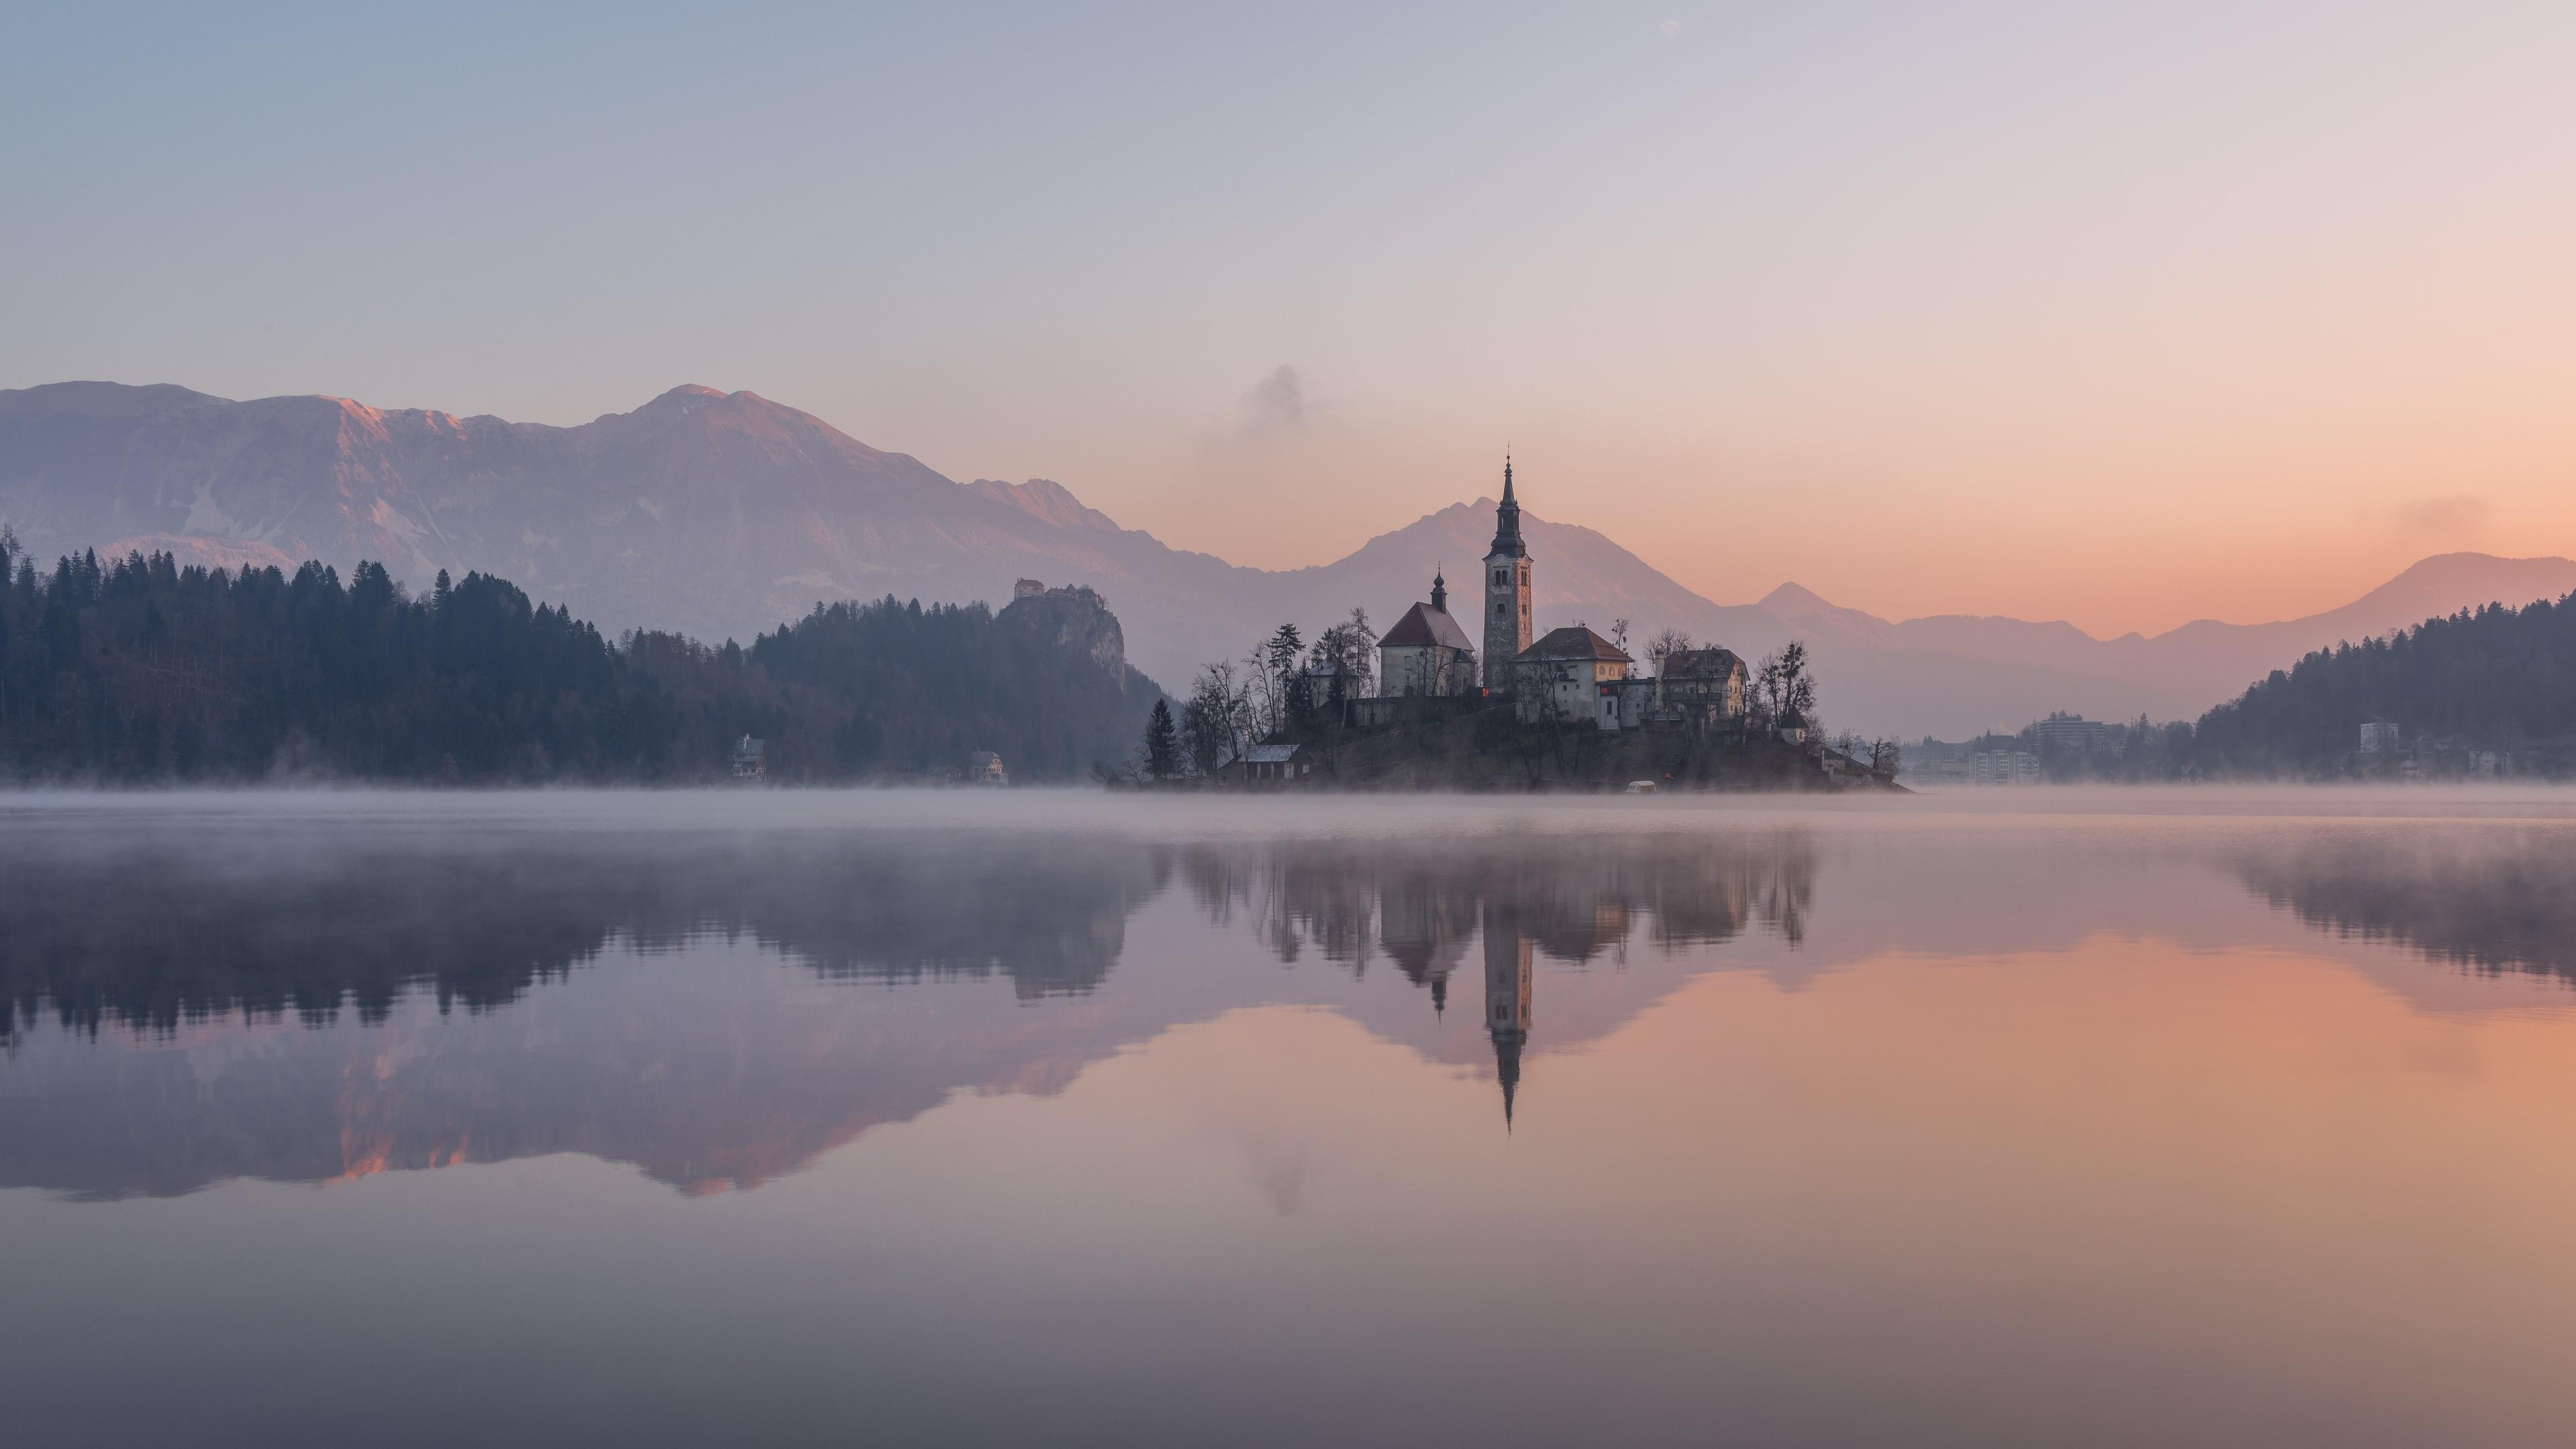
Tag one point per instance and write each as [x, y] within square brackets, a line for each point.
[2493, 901]
[1576, 898]
[1051, 919]
[725, 1083]
[157, 936]
[154, 940]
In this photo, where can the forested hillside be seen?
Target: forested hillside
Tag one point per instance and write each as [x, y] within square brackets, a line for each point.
[2497, 679]
[139, 670]
[1045, 683]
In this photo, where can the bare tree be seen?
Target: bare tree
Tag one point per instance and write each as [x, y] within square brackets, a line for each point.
[1262, 689]
[1619, 635]
[1667, 643]
[1783, 684]
[1362, 641]
[1216, 718]
[1350, 646]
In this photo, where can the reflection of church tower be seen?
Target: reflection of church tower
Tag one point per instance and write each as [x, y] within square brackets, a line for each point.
[1507, 590]
[1507, 1002]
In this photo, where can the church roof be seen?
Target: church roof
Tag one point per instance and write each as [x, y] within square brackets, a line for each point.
[1422, 625]
[1574, 642]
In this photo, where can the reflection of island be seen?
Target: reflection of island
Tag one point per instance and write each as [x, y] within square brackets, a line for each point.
[1572, 900]
[278, 1010]
[2493, 899]
[1578, 898]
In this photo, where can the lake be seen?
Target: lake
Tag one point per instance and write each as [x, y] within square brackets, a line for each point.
[2007, 1118]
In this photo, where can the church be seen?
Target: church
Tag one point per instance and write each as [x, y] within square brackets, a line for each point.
[1426, 653]
[1571, 675]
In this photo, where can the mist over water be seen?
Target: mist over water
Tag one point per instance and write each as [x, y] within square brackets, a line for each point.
[2004, 1117]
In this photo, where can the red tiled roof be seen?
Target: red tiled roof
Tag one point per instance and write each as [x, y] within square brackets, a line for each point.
[1423, 624]
[1574, 642]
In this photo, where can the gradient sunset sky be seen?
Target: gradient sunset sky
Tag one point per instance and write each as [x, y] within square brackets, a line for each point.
[2121, 314]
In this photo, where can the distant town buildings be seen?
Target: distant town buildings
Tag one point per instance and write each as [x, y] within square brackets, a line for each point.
[2062, 746]
[2072, 735]
[2387, 754]
[750, 758]
[2003, 767]
[985, 768]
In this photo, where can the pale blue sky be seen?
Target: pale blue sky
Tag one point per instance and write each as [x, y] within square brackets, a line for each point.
[2123, 313]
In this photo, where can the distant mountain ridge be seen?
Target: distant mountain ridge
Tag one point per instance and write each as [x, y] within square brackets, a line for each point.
[726, 514]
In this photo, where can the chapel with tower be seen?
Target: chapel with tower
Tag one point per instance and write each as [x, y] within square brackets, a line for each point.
[1570, 675]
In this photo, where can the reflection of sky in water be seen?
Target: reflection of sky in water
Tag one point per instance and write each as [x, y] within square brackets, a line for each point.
[1132, 1123]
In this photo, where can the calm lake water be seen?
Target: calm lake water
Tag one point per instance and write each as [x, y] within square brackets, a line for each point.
[2022, 1119]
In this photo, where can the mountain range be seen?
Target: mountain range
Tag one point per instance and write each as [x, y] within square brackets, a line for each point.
[725, 514]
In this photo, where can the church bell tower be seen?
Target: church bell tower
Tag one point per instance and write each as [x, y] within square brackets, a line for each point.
[1507, 590]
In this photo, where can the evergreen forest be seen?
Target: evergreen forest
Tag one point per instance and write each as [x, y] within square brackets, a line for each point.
[2497, 678]
[138, 670]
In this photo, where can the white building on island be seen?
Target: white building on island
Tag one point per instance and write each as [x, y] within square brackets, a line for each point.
[1571, 675]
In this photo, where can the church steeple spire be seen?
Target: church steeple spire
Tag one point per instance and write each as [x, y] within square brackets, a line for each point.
[1507, 518]
[1439, 591]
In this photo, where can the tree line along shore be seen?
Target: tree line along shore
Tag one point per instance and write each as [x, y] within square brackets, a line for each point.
[137, 670]
[141, 671]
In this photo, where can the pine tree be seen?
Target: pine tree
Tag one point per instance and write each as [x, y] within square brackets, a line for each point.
[1162, 743]
[1285, 644]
